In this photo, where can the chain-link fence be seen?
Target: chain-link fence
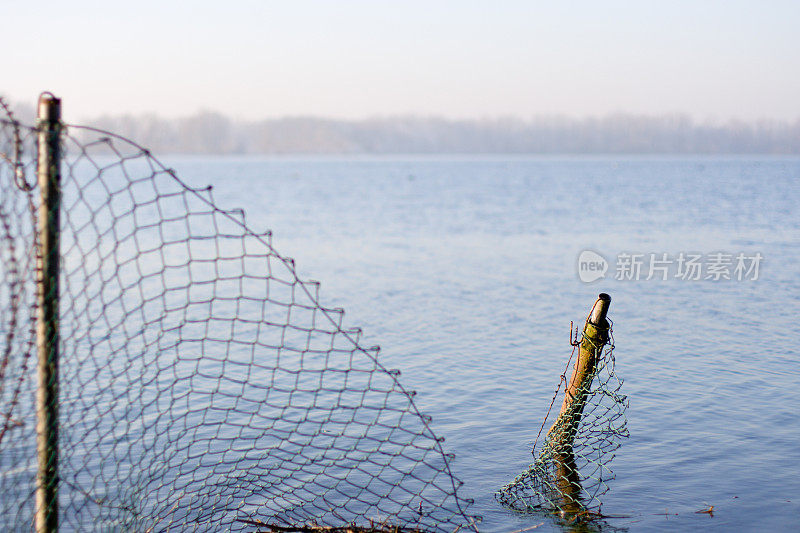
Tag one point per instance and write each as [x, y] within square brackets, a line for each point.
[201, 384]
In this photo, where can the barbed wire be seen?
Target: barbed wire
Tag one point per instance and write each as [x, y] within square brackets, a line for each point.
[19, 264]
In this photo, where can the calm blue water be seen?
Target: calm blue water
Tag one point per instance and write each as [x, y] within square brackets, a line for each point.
[465, 272]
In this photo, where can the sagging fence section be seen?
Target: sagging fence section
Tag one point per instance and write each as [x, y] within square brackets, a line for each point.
[570, 473]
[195, 382]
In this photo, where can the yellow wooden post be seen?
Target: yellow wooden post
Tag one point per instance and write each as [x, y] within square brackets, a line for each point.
[595, 336]
[565, 428]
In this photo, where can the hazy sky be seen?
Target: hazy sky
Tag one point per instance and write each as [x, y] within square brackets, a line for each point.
[355, 59]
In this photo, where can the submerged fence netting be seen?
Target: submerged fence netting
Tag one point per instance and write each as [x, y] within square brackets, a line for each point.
[202, 385]
[570, 472]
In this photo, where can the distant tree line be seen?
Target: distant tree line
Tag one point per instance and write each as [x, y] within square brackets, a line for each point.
[213, 133]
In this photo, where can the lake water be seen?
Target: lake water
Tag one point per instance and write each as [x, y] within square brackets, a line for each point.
[465, 271]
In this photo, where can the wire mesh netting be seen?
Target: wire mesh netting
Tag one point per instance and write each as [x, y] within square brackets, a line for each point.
[570, 472]
[202, 384]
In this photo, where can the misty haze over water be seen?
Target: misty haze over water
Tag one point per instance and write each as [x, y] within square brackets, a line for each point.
[217, 134]
[214, 133]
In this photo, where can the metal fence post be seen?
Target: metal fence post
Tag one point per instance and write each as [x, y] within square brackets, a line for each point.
[47, 338]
